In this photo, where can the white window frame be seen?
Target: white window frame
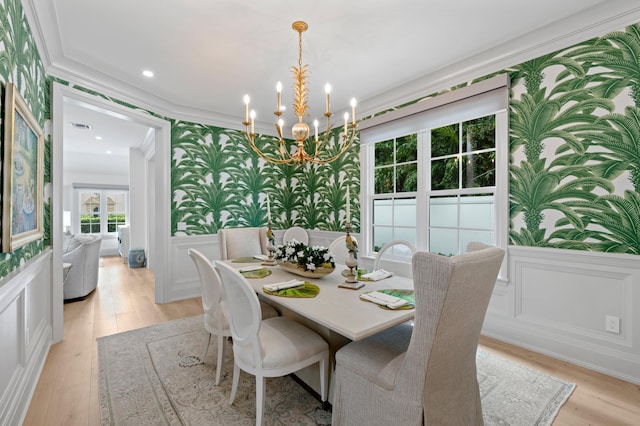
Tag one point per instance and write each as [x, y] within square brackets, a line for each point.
[474, 101]
[103, 190]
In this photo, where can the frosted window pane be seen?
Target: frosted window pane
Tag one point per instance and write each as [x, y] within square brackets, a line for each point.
[381, 235]
[486, 237]
[443, 241]
[382, 212]
[405, 212]
[408, 234]
[477, 212]
[443, 212]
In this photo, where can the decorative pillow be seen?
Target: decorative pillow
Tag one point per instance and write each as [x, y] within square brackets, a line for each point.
[70, 243]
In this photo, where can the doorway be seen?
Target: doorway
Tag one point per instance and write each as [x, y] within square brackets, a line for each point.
[155, 162]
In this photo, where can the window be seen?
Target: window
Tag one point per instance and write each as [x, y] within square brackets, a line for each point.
[437, 174]
[102, 211]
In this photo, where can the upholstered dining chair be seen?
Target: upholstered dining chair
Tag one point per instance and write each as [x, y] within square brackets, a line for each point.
[339, 249]
[215, 315]
[272, 347]
[242, 242]
[296, 233]
[398, 250]
[425, 374]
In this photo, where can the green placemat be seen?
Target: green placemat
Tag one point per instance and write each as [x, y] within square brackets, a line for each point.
[304, 291]
[258, 273]
[402, 294]
[246, 260]
[359, 274]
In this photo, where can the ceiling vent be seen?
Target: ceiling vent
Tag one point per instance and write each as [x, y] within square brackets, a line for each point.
[81, 126]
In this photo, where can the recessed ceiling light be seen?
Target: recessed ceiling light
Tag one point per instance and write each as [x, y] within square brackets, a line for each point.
[99, 138]
[147, 73]
[80, 126]
[108, 152]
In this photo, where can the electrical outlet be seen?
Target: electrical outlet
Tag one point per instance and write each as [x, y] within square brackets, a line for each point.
[182, 226]
[612, 324]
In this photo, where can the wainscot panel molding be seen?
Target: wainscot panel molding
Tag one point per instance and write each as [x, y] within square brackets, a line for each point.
[557, 302]
[25, 334]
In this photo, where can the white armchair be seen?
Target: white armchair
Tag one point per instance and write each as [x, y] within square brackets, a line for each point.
[83, 253]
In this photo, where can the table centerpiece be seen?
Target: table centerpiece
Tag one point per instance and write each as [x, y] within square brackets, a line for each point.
[307, 261]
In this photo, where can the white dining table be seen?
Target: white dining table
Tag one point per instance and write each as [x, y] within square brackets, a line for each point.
[338, 309]
[336, 313]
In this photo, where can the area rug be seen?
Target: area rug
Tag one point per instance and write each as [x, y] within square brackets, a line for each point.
[155, 376]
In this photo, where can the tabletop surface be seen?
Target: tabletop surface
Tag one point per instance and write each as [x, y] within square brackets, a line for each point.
[338, 309]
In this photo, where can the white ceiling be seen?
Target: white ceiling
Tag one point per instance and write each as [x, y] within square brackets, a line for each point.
[207, 54]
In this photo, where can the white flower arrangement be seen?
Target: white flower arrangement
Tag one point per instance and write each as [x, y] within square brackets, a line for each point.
[306, 257]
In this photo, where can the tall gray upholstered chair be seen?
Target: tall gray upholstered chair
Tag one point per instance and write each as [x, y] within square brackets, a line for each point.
[242, 242]
[215, 310]
[424, 374]
[273, 347]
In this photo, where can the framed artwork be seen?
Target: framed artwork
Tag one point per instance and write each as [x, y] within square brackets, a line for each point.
[22, 173]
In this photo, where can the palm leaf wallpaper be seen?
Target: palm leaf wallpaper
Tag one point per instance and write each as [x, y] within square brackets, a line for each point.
[20, 64]
[575, 146]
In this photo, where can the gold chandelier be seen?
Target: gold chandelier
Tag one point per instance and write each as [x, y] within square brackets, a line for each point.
[300, 130]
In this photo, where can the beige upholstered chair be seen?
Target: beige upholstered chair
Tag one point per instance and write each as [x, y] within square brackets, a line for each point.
[339, 249]
[215, 315]
[272, 347]
[424, 374]
[296, 233]
[400, 251]
[242, 242]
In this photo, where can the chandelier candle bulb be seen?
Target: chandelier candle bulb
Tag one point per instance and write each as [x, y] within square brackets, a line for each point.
[353, 110]
[279, 91]
[315, 125]
[327, 90]
[253, 119]
[346, 120]
[246, 108]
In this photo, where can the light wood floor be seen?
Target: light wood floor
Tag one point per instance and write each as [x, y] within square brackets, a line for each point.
[124, 300]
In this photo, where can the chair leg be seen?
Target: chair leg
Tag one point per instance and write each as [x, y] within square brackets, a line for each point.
[234, 386]
[324, 379]
[220, 358]
[260, 388]
[206, 350]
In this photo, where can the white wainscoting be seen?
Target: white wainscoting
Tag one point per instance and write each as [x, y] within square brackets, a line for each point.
[25, 334]
[556, 302]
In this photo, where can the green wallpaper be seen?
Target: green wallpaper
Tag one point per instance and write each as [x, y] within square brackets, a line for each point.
[575, 147]
[219, 182]
[20, 64]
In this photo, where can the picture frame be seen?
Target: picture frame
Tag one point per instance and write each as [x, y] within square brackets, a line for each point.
[22, 173]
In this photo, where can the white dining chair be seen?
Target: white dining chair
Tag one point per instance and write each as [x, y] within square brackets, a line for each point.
[215, 315]
[296, 233]
[395, 256]
[272, 347]
[339, 249]
[242, 242]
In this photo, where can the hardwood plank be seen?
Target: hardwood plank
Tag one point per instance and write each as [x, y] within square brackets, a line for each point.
[67, 392]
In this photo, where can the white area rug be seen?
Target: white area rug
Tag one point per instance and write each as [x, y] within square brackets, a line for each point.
[154, 376]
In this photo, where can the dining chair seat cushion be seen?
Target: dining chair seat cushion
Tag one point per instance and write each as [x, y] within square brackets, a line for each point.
[284, 342]
[378, 358]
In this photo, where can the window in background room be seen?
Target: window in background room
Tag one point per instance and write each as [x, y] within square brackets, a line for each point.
[102, 211]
